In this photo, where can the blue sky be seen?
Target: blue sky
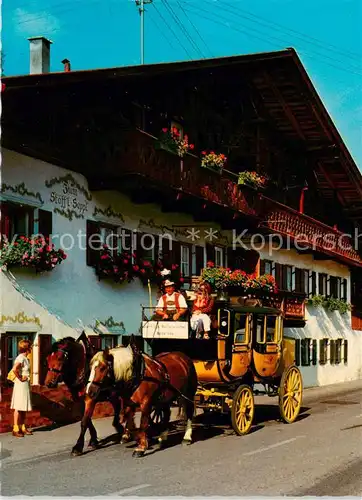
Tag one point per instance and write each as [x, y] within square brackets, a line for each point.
[94, 34]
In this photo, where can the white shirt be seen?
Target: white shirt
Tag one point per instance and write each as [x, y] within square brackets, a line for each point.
[171, 302]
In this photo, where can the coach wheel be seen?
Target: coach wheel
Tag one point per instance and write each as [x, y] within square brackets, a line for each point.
[242, 411]
[290, 394]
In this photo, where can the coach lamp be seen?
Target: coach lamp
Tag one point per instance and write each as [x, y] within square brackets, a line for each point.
[224, 322]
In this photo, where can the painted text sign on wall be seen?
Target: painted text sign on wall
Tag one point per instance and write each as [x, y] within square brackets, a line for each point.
[70, 198]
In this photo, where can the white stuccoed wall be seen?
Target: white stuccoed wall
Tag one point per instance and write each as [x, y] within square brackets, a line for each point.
[72, 290]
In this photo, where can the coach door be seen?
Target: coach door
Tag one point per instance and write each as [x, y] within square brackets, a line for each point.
[267, 340]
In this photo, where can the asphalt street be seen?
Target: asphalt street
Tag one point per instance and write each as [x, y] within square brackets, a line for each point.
[320, 454]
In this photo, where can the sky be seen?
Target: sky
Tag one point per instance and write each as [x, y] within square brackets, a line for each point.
[95, 34]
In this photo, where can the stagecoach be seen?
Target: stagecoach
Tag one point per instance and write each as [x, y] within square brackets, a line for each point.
[247, 348]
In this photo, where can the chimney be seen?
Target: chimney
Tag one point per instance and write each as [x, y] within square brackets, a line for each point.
[66, 63]
[39, 55]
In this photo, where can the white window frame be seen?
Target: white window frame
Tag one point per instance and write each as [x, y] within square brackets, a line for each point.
[185, 262]
[219, 251]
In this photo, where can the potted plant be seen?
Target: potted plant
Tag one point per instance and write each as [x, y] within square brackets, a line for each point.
[251, 179]
[37, 253]
[213, 161]
[172, 141]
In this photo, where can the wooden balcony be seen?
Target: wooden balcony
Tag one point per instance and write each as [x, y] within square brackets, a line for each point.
[141, 157]
[307, 232]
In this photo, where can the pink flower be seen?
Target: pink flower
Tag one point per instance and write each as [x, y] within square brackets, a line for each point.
[104, 257]
[48, 248]
[164, 130]
[143, 271]
[136, 268]
[125, 261]
[147, 263]
[210, 264]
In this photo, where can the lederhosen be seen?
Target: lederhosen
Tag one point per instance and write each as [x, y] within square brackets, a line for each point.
[169, 303]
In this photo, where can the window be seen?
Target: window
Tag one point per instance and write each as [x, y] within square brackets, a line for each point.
[24, 220]
[322, 284]
[302, 281]
[99, 234]
[323, 351]
[240, 328]
[147, 245]
[284, 277]
[305, 352]
[338, 351]
[109, 341]
[185, 261]
[344, 289]
[345, 351]
[266, 267]
[13, 338]
[313, 284]
[271, 330]
[335, 287]
[260, 329]
[219, 261]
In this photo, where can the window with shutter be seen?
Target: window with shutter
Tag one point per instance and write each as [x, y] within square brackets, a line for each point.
[299, 280]
[185, 261]
[323, 351]
[305, 352]
[297, 352]
[322, 284]
[44, 346]
[210, 253]
[314, 352]
[338, 351]
[18, 220]
[335, 287]
[313, 284]
[45, 223]
[199, 260]
[219, 257]
[146, 246]
[279, 276]
[332, 352]
[345, 351]
[344, 289]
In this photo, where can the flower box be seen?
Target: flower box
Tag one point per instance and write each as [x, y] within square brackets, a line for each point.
[212, 161]
[251, 180]
[37, 253]
[172, 142]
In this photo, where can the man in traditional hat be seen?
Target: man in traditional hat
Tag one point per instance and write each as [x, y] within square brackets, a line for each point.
[172, 304]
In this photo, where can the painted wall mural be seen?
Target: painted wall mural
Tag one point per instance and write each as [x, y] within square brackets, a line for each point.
[70, 198]
[19, 318]
[108, 212]
[22, 190]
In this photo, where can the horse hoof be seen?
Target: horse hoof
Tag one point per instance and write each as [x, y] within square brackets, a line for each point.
[76, 452]
[93, 445]
[125, 439]
[138, 454]
[186, 442]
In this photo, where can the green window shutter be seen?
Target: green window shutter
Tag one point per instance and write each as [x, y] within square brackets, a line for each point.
[323, 343]
[332, 350]
[345, 351]
[314, 352]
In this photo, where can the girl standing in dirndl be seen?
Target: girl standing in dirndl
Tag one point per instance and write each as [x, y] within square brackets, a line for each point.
[21, 400]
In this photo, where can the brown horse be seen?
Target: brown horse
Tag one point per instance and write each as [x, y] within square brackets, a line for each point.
[155, 382]
[69, 362]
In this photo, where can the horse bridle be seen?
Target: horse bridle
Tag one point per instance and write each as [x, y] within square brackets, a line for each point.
[66, 354]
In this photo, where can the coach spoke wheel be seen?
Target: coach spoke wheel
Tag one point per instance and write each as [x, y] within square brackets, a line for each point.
[242, 412]
[290, 394]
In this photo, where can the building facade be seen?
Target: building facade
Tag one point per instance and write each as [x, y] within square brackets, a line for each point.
[76, 166]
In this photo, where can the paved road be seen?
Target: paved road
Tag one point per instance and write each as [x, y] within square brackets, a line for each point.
[321, 454]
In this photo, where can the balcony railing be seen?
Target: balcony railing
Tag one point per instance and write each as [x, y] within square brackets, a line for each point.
[142, 157]
[307, 232]
[183, 174]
